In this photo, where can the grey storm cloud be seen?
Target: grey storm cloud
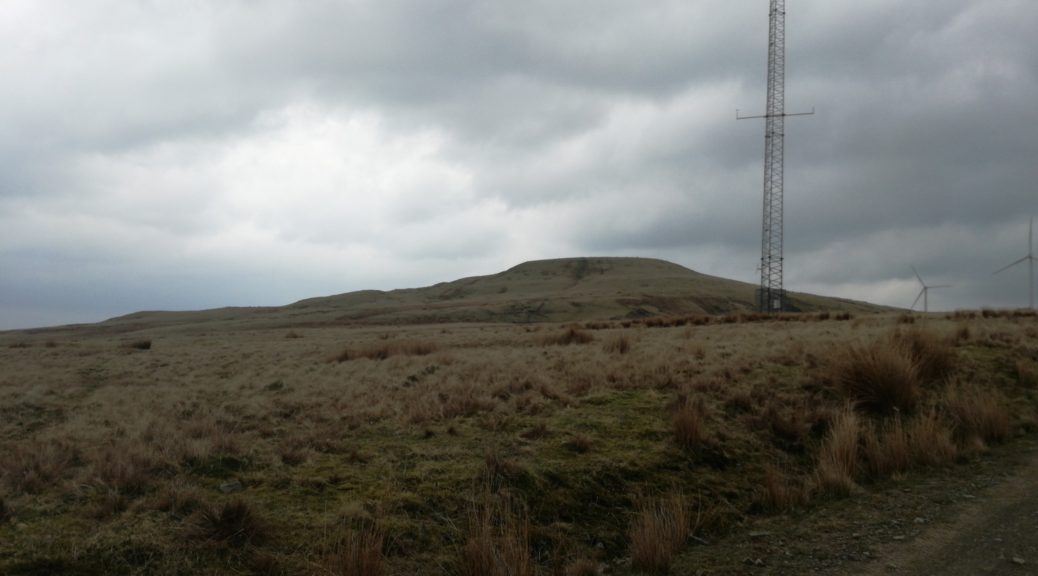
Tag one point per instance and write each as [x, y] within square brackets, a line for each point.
[185, 155]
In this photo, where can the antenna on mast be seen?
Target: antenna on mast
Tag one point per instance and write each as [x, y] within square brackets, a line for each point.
[772, 296]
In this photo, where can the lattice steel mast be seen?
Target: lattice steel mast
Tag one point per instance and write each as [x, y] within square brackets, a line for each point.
[772, 296]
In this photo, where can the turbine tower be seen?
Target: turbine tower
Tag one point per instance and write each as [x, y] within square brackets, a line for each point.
[925, 292]
[1029, 259]
[772, 296]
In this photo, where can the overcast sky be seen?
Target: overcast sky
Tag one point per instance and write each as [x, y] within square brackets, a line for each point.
[195, 154]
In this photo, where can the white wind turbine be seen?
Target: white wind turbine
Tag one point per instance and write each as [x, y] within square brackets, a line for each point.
[1029, 259]
[925, 292]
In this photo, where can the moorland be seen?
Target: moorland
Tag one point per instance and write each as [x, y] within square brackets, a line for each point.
[574, 417]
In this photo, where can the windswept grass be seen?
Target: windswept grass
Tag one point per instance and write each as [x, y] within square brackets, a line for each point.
[571, 335]
[747, 411]
[498, 542]
[384, 350]
[977, 417]
[357, 552]
[689, 423]
[233, 523]
[887, 450]
[931, 354]
[658, 532]
[931, 440]
[879, 377]
[838, 455]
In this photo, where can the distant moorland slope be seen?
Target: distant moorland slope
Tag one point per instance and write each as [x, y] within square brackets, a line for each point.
[559, 290]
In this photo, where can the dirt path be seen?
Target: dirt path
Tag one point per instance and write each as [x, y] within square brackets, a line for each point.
[996, 533]
[971, 519]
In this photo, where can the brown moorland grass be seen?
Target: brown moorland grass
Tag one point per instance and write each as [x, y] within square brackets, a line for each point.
[233, 523]
[781, 493]
[977, 417]
[570, 335]
[880, 377]
[658, 531]
[931, 354]
[498, 541]
[886, 448]
[357, 552]
[144, 441]
[931, 440]
[838, 455]
[1027, 372]
[384, 350]
[689, 422]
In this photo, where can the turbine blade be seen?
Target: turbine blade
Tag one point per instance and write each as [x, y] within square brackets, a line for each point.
[918, 276]
[1007, 267]
[921, 292]
[940, 286]
[1030, 238]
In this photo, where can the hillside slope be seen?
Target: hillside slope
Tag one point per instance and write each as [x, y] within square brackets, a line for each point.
[564, 290]
[560, 290]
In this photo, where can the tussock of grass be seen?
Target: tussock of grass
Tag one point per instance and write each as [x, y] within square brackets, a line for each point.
[781, 494]
[498, 542]
[977, 417]
[357, 553]
[126, 469]
[838, 455]
[139, 345]
[1027, 373]
[658, 531]
[33, 466]
[689, 423]
[387, 349]
[618, 344]
[879, 377]
[569, 336]
[233, 524]
[887, 450]
[178, 500]
[931, 354]
[582, 567]
[931, 440]
[579, 443]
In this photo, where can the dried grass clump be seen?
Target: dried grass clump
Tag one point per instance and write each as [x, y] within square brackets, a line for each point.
[1027, 373]
[498, 543]
[780, 494]
[619, 344]
[357, 553]
[658, 531]
[178, 500]
[931, 441]
[886, 448]
[838, 456]
[582, 567]
[689, 423]
[31, 467]
[139, 345]
[579, 443]
[879, 377]
[233, 524]
[933, 357]
[128, 470]
[387, 349]
[977, 417]
[569, 336]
